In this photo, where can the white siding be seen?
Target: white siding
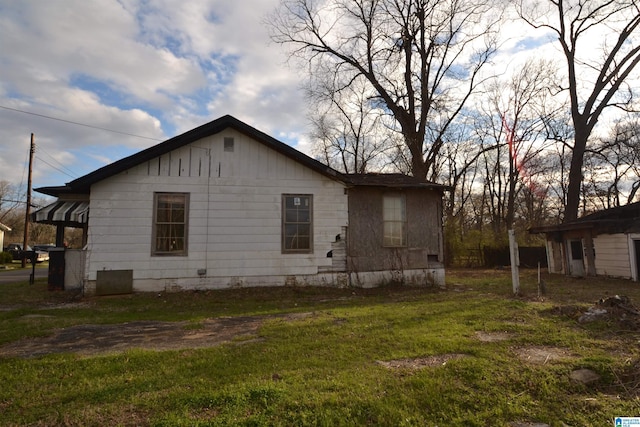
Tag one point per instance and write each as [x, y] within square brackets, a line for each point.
[612, 255]
[234, 216]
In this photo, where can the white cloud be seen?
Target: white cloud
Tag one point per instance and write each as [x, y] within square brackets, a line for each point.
[145, 68]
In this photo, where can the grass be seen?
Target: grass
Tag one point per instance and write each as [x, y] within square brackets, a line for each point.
[323, 369]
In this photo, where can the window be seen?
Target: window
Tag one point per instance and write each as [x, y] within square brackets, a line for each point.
[170, 224]
[297, 223]
[394, 218]
[228, 144]
[576, 250]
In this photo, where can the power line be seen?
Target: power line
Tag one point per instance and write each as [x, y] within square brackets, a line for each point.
[56, 168]
[79, 124]
[69, 171]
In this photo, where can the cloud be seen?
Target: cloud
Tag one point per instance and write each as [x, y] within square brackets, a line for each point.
[153, 69]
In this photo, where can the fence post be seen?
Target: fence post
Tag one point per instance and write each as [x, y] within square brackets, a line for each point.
[515, 261]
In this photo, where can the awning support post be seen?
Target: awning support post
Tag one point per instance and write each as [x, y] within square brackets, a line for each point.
[59, 236]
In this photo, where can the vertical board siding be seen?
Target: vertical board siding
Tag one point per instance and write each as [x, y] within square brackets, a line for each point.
[366, 251]
[612, 255]
[234, 216]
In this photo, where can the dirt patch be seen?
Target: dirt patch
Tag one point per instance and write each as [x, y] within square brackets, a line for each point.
[420, 362]
[542, 355]
[92, 340]
[483, 336]
[617, 310]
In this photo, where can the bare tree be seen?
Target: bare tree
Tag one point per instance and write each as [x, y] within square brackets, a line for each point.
[346, 129]
[593, 81]
[511, 120]
[612, 167]
[10, 200]
[458, 169]
[422, 59]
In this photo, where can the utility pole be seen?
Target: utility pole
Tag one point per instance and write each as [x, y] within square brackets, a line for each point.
[25, 240]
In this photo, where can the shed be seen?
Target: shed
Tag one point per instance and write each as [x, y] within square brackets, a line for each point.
[604, 243]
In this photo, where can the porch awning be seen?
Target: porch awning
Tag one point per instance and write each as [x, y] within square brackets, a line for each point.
[63, 213]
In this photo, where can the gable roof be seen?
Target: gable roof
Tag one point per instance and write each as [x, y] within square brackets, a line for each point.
[83, 184]
[621, 219]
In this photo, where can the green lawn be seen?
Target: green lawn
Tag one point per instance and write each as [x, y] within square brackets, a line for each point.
[330, 368]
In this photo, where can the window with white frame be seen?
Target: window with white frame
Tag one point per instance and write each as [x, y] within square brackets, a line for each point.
[170, 224]
[297, 223]
[394, 218]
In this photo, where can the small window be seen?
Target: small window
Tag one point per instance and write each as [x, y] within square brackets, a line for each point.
[394, 218]
[297, 223]
[170, 224]
[576, 250]
[228, 144]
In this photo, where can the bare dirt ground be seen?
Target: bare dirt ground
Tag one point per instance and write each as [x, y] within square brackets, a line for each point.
[91, 340]
[420, 362]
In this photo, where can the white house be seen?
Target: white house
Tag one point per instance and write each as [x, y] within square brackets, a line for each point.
[3, 228]
[225, 205]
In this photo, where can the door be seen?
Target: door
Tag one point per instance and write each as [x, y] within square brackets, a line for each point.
[576, 258]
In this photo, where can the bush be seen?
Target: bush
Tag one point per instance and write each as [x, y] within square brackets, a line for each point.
[5, 258]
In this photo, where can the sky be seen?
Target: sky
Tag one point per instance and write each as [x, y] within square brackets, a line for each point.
[97, 80]
[153, 69]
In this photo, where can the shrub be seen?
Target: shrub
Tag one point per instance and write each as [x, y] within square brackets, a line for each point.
[5, 258]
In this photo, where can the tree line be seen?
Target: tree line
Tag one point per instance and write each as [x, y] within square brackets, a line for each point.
[428, 87]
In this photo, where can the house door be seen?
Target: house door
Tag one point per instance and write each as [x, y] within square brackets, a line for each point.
[576, 258]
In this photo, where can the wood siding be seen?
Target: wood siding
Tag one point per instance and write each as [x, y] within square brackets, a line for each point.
[424, 249]
[234, 214]
[612, 255]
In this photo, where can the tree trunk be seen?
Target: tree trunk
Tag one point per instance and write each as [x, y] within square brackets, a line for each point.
[414, 141]
[575, 173]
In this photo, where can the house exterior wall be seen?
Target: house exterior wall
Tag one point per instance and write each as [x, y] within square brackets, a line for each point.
[235, 211]
[423, 254]
[612, 255]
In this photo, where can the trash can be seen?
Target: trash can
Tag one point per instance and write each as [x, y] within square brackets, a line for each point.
[56, 269]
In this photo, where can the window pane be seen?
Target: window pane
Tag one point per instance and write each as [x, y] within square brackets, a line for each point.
[291, 215]
[161, 244]
[163, 215]
[394, 220]
[177, 244]
[171, 223]
[290, 229]
[297, 223]
[290, 203]
[303, 242]
[304, 230]
[177, 215]
[304, 216]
